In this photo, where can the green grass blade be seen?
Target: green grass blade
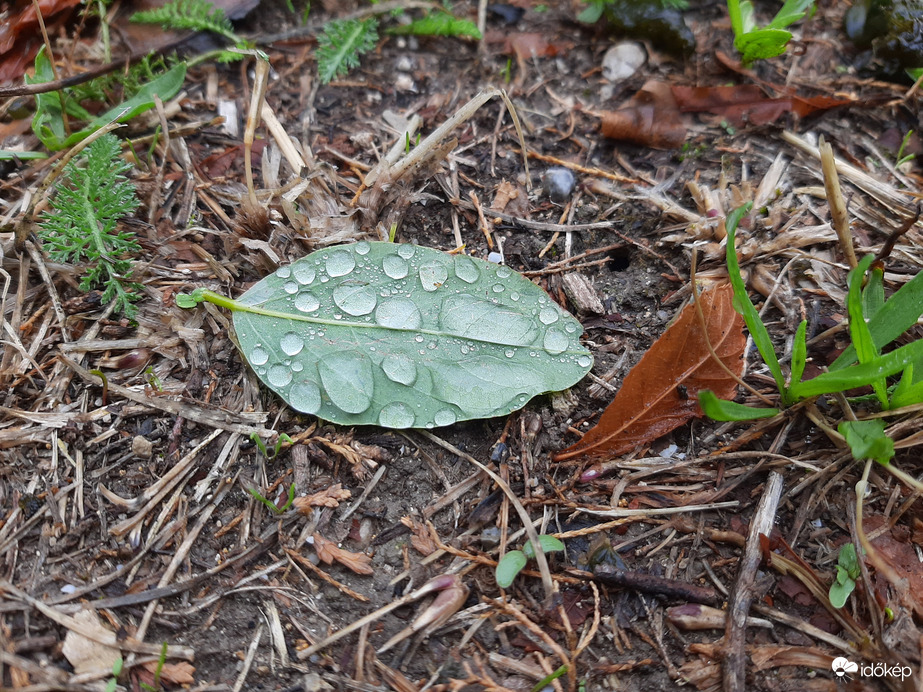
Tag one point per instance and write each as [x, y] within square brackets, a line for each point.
[799, 352]
[723, 410]
[744, 306]
[867, 440]
[859, 329]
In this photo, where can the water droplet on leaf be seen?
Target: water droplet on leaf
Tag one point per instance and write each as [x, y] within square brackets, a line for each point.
[548, 316]
[584, 361]
[406, 251]
[503, 271]
[355, 298]
[555, 341]
[291, 287]
[340, 263]
[399, 368]
[396, 415]
[307, 302]
[444, 416]
[279, 375]
[304, 272]
[398, 313]
[474, 318]
[284, 272]
[433, 275]
[466, 269]
[394, 266]
[348, 380]
[305, 397]
[292, 344]
[363, 247]
[259, 356]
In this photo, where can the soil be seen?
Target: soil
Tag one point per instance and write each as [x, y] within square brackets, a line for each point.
[205, 565]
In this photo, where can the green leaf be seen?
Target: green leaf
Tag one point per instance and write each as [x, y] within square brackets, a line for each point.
[849, 561]
[194, 15]
[791, 12]
[438, 24]
[744, 306]
[762, 44]
[724, 410]
[839, 592]
[404, 336]
[509, 566]
[873, 295]
[859, 329]
[867, 440]
[341, 44]
[799, 352]
[908, 392]
[549, 544]
[592, 13]
[899, 313]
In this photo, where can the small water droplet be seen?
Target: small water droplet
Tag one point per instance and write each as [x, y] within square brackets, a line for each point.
[418, 338]
[555, 341]
[297, 366]
[548, 316]
[292, 344]
[279, 375]
[503, 271]
[355, 298]
[284, 272]
[464, 349]
[466, 269]
[396, 415]
[304, 396]
[509, 353]
[362, 247]
[433, 275]
[307, 302]
[514, 296]
[570, 327]
[406, 251]
[398, 313]
[304, 273]
[259, 356]
[340, 263]
[584, 361]
[290, 287]
[400, 369]
[394, 266]
[444, 416]
[497, 288]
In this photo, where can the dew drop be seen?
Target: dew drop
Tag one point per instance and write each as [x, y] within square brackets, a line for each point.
[555, 341]
[570, 327]
[259, 356]
[304, 273]
[396, 415]
[340, 263]
[418, 338]
[395, 266]
[444, 416]
[292, 344]
[503, 271]
[497, 288]
[355, 298]
[348, 379]
[291, 287]
[406, 251]
[284, 272]
[433, 275]
[307, 302]
[297, 366]
[584, 361]
[400, 369]
[509, 353]
[362, 247]
[466, 269]
[304, 396]
[548, 315]
[514, 296]
[279, 375]
[475, 318]
[398, 313]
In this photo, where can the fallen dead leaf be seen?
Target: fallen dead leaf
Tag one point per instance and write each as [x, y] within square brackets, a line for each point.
[87, 655]
[659, 394]
[180, 673]
[421, 539]
[748, 104]
[328, 552]
[651, 118]
[331, 496]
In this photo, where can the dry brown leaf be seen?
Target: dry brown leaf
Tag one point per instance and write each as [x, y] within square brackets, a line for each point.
[180, 673]
[748, 104]
[650, 118]
[328, 552]
[421, 539]
[87, 655]
[659, 394]
[328, 497]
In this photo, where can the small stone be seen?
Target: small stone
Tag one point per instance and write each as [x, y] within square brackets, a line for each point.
[403, 64]
[559, 184]
[142, 447]
[622, 60]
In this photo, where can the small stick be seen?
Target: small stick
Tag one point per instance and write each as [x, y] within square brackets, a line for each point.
[260, 82]
[835, 200]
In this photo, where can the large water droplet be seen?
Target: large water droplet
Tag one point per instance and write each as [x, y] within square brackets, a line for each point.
[291, 343]
[305, 397]
[304, 272]
[555, 341]
[396, 415]
[355, 298]
[406, 251]
[394, 266]
[284, 272]
[291, 287]
[548, 316]
[307, 302]
[445, 416]
[472, 317]
[340, 263]
[466, 269]
[400, 369]
[398, 313]
[497, 288]
[433, 275]
[503, 271]
[362, 247]
[584, 361]
[348, 380]
[259, 356]
[279, 375]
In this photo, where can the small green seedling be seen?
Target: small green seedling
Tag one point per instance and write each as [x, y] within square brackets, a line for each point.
[755, 43]
[548, 679]
[283, 439]
[867, 440]
[901, 157]
[82, 224]
[512, 563]
[116, 672]
[272, 505]
[847, 572]
[157, 673]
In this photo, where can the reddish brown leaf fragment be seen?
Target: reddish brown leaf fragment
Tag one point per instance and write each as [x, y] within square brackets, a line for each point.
[650, 118]
[328, 497]
[328, 552]
[748, 103]
[659, 394]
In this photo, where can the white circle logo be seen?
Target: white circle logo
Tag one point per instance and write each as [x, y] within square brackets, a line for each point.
[841, 666]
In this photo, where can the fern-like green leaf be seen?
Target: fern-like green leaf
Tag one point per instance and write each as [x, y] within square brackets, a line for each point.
[82, 225]
[439, 24]
[341, 44]
[195, 15]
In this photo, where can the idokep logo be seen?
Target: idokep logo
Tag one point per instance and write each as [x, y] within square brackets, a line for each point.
[843, 668]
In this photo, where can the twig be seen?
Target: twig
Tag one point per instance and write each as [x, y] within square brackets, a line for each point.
[837, 205]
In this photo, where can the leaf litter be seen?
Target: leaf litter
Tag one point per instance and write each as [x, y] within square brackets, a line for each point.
[202, 554]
